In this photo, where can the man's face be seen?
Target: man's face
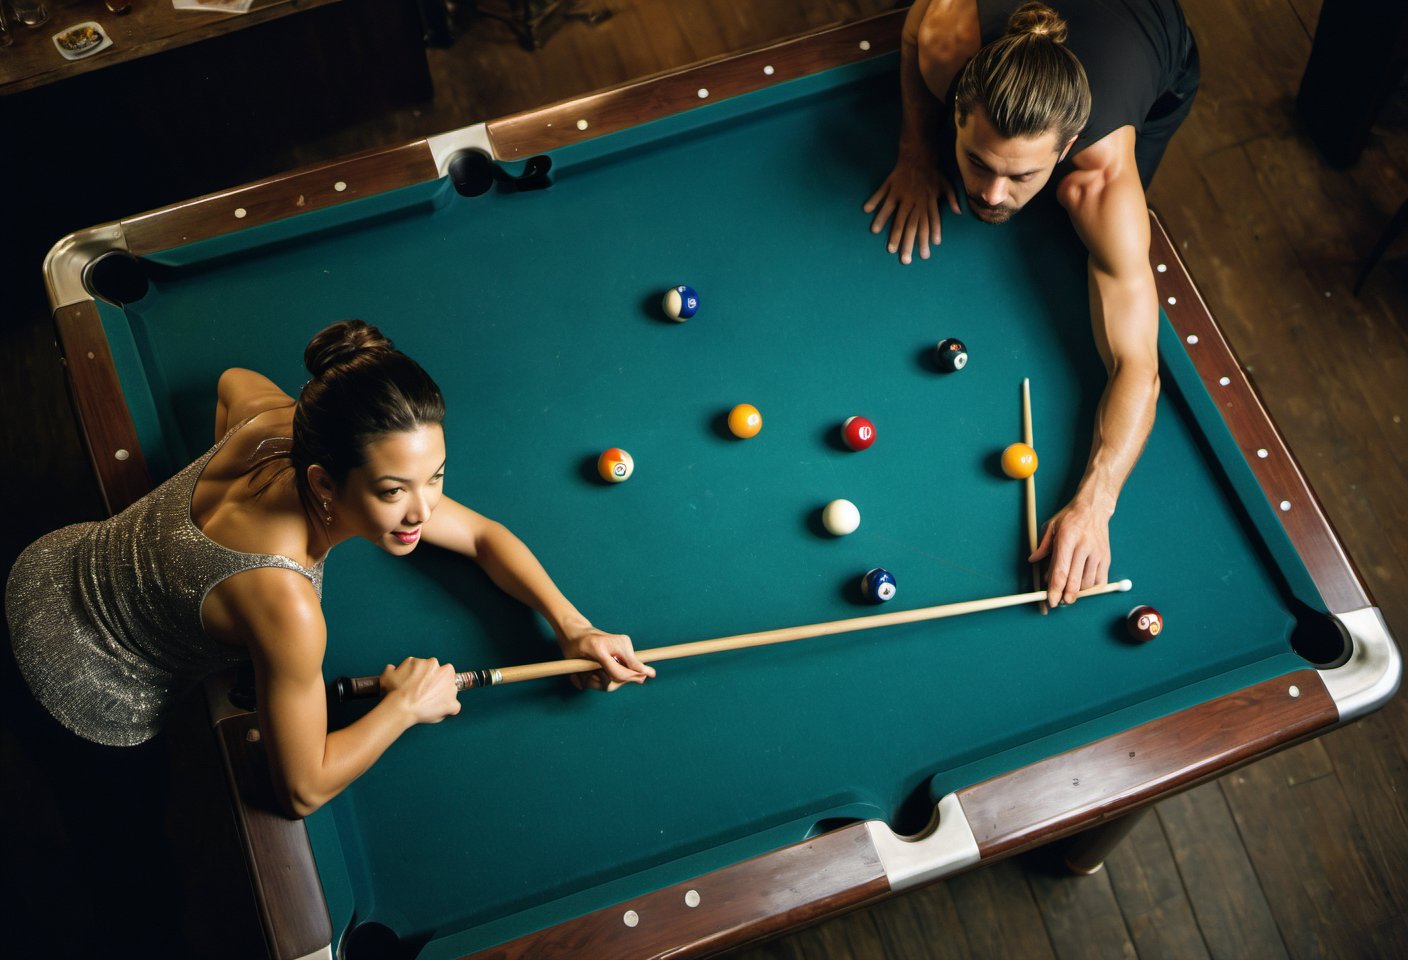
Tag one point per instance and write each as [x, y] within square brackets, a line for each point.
[999, 174]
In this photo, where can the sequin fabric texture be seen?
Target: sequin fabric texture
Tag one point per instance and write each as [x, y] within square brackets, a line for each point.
[105, 617]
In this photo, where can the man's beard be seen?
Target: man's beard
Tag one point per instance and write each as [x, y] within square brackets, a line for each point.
[994, 215]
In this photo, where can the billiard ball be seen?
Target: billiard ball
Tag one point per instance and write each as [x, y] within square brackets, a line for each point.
[1144, 623]
[879, 585]
[1019, 461]
[953, 355]
[680, 303]
[615, 465]
[858, 432]
[840, 517]
[745, 421]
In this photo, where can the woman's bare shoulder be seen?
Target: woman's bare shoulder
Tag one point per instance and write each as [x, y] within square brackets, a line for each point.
[267, 608]
[246, 498]
[267, 433]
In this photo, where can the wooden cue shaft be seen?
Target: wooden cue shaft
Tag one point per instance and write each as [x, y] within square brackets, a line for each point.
[357, 688]
[1031, 487]
[787, 634]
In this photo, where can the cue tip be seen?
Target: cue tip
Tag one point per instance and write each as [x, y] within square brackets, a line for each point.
[1125, 586]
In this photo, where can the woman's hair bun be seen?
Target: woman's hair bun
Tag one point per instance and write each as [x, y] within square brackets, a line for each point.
[342, 343]
[1037, 18]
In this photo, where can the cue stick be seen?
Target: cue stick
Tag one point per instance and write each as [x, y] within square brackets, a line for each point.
[1031, 488]
[357, 688]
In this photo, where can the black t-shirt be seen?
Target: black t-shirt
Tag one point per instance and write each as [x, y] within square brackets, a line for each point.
[1132, 51]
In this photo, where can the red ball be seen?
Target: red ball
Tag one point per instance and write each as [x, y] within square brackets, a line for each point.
[1144, 623]
[858, 432]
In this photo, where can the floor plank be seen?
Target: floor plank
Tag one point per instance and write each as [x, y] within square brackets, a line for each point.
[1390, 941]
[924, 924]
[1371, 761]
[1081, 914]
[1223, 888]
[999, 913]
[1305, 849]
[1151, 897]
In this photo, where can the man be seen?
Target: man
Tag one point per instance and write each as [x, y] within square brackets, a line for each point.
[1087, 97]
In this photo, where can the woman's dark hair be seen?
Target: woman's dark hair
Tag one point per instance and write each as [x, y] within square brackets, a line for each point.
[1028, 82]
[362, 388]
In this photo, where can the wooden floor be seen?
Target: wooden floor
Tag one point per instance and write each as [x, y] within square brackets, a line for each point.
[1303, 855]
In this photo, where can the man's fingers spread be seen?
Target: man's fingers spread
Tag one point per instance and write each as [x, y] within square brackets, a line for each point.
[911, 228]
[881, 192]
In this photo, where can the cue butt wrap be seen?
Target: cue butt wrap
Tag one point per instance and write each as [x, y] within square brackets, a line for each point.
[356, 688]
[369, 688]
[477, 678]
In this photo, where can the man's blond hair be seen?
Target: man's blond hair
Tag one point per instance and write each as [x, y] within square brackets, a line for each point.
[1028, 81]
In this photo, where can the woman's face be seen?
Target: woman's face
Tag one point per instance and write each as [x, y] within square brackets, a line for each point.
[390, 497]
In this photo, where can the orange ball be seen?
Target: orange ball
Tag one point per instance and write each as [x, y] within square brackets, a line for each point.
[1019, 461]
[745, 421]
[615, 465]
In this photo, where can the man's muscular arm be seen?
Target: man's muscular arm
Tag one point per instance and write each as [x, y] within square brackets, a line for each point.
[939, 37]
[1106, 203]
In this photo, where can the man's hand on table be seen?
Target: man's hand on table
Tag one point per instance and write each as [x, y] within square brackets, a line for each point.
[911, 194]
[1077, 542]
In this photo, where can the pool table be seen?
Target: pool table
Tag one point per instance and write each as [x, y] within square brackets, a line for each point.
[740, 794]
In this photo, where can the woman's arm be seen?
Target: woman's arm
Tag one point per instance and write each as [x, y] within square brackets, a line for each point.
[512, 566]
[242, 394]
[278, 612]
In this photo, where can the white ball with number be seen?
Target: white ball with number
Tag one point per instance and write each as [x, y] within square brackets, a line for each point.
[680, 303]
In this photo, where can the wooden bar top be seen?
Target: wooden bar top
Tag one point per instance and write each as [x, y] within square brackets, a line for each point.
[149, 27]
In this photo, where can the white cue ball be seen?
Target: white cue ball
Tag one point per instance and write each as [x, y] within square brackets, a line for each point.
[840, 517]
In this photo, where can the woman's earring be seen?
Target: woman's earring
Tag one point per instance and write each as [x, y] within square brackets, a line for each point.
[327, 513]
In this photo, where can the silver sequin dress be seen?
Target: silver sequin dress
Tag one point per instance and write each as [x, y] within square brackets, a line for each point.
[105, 617]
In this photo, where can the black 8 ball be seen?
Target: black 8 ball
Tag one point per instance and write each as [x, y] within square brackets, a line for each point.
[1144, 624]
[953, 355]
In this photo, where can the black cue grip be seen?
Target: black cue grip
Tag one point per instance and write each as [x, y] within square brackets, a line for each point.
[369, 688]
[356, 688]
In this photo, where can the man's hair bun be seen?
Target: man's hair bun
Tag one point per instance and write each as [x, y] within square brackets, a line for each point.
[1039, 19]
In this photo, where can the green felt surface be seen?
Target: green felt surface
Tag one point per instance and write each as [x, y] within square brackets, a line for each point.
[538, 314]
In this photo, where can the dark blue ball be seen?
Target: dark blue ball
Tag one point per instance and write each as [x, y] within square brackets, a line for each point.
[680, 303]
[879, 585]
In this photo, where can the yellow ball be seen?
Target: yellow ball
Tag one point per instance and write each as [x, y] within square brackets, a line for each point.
[745, 421]
[1019, 461]
[615, 465]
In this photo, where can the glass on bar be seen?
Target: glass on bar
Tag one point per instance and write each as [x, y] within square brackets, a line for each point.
[31, 13]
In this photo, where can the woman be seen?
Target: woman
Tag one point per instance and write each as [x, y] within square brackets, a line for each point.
[112, 622]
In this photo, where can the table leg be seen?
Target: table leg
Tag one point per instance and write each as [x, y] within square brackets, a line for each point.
[1087, 851]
